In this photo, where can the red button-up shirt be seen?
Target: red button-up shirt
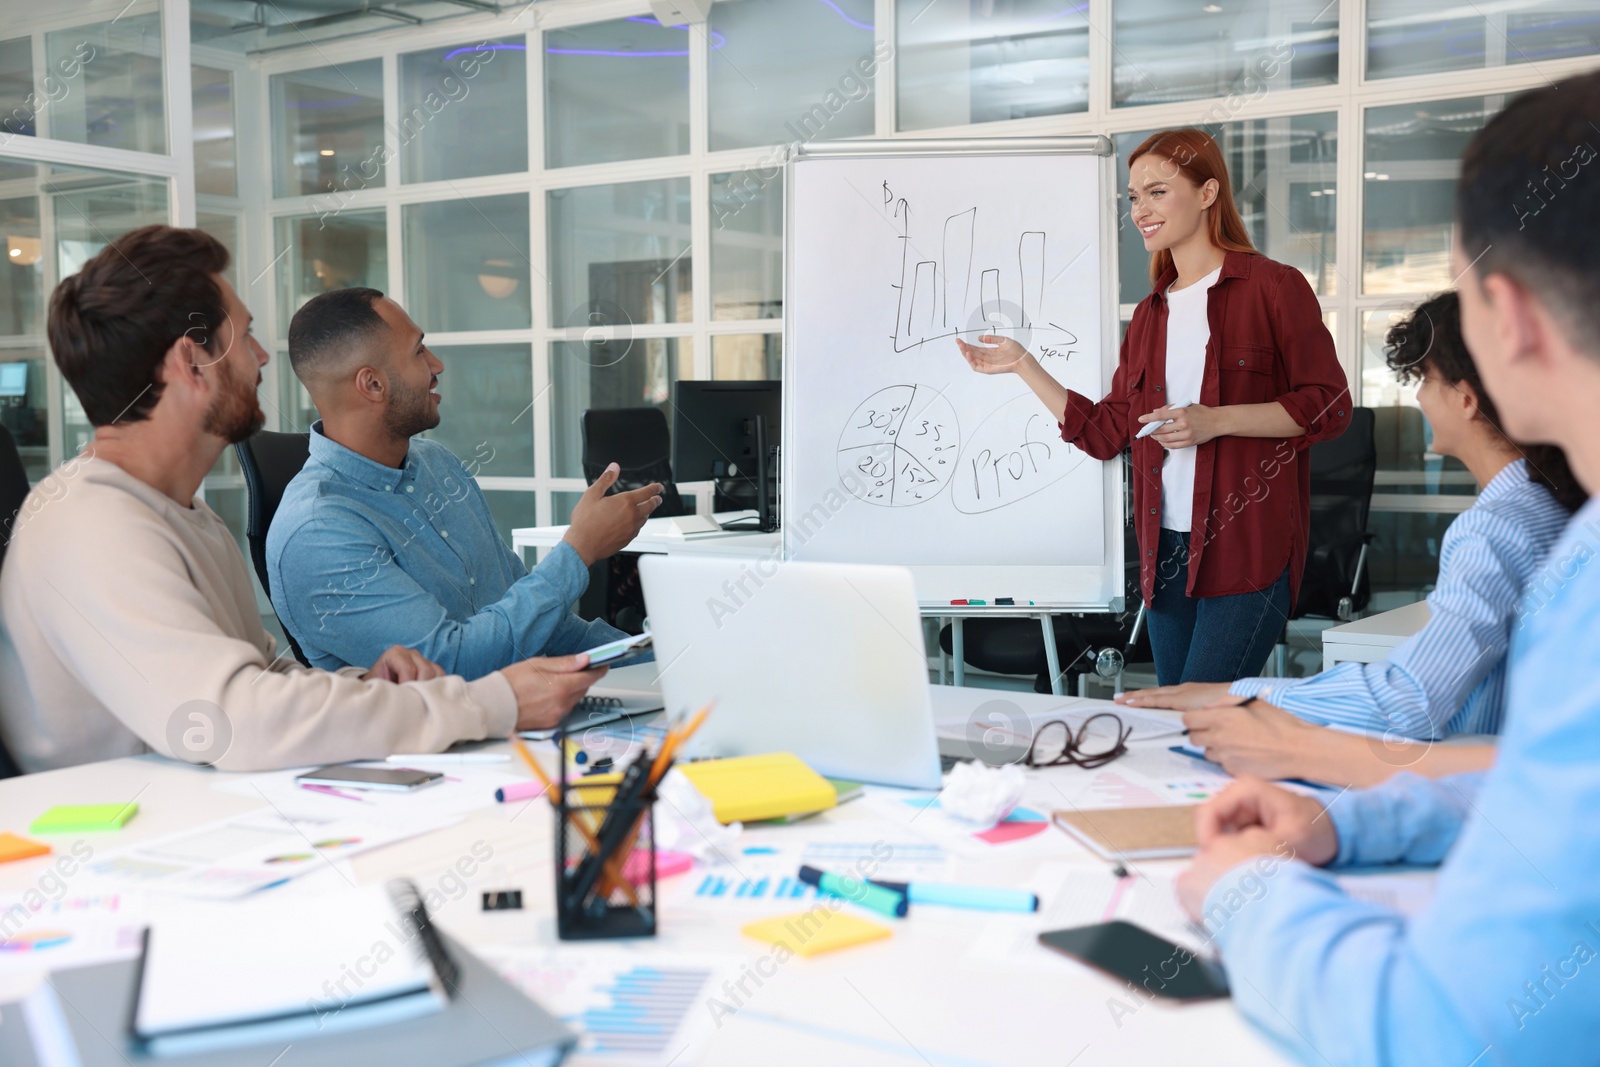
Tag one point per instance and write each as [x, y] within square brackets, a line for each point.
[1251, 494]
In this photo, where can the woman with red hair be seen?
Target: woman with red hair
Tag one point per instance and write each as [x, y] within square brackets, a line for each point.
[1226, 377]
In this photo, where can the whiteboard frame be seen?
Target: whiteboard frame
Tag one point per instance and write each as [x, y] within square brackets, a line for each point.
[1063, 588]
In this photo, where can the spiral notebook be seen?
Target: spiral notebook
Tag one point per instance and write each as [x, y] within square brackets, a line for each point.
[601, 707]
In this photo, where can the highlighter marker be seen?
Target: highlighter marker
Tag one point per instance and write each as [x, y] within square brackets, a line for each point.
[881, 900]
[980, 898]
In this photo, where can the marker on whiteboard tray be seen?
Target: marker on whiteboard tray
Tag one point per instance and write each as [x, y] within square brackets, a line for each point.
[955, 603]
[1005, 601]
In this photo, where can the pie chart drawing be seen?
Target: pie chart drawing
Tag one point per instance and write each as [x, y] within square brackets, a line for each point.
[899, 447]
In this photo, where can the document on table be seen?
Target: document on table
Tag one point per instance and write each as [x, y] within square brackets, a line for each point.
[954, 716]
[1145, 778]
[72, 930]
[1080, 896]
[630, 1007]
[467, 787]
[231, 857]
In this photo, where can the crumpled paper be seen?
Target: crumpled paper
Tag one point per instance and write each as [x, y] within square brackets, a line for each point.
[685, 822]
[982, 794]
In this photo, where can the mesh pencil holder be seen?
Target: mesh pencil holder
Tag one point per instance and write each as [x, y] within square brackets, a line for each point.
[605, 857]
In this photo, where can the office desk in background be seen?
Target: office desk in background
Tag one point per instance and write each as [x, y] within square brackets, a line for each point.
[652, 538]
[1371, 639]
[921, 997]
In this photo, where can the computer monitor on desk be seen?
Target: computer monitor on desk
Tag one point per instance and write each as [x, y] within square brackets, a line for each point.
[729, 432]
[13, 379]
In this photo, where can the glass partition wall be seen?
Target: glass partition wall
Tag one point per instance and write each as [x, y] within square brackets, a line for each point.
[582, 206]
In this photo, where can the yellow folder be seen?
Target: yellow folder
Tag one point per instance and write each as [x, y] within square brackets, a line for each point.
[750, 788]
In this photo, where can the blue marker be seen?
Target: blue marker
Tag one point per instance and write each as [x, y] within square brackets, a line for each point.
[980, 898]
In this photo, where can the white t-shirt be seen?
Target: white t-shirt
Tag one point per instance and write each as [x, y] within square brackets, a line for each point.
[1188, 330]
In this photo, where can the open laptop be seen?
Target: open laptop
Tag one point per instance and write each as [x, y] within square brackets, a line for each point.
[825, 660]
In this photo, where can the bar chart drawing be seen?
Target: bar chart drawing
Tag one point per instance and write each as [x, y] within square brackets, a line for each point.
[953, 295]
[899, 447]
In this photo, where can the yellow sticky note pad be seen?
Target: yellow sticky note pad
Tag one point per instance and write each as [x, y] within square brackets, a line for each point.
[811, 933]
[13, 847]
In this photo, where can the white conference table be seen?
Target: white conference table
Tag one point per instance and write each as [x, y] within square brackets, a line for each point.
[916, 998]
[1373, 638]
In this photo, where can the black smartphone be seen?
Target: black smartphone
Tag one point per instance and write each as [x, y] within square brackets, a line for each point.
[1135, 955]
[400, 778]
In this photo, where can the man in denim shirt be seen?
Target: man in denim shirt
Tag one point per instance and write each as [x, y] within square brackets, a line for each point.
[384, 540]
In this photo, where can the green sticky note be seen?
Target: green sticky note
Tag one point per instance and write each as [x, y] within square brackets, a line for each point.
[83, 818]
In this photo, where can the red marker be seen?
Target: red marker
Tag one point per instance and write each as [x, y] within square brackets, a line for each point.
[957, 602]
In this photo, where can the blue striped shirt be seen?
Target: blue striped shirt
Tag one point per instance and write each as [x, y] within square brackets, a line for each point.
[1450, 676]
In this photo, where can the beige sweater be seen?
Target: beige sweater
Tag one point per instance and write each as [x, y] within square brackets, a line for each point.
[126, 620]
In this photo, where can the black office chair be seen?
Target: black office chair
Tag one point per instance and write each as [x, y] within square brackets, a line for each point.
[13, 491]
[637, 440]
[269, 462]
[1336, 584]
[1016, 646]
[1342, 474]
[13, 488]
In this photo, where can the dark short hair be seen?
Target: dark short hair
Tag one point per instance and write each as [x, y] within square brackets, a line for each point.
[1430, 339]
[112, 323]
[330, 322]
[1528, 204]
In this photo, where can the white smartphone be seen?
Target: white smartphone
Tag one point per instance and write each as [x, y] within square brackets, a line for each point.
[627, 646]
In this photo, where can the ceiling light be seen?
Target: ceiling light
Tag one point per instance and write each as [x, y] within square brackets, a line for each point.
[1383, 177]
[1212, 9]
[1316, 192]
[24, 251]
[326, 152]
[1369, 175]
[496, 281]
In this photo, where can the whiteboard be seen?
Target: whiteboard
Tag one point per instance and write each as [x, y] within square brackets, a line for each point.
[894, 450]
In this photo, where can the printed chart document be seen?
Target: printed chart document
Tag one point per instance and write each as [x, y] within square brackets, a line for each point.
[232, 857]
[630, 1008]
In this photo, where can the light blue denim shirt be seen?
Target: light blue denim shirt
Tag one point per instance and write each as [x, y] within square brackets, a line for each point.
[1504, 964]
[362, 556]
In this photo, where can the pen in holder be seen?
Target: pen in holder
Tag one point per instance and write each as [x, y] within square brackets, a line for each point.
[605, 853]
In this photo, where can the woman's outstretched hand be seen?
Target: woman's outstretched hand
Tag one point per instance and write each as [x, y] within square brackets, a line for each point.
[1004, 357]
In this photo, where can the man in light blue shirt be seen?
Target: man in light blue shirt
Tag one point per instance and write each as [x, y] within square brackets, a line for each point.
[1449, 677]
[1503, 966]
[385, 538]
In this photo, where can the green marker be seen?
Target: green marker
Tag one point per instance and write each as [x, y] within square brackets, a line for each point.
[888, 902]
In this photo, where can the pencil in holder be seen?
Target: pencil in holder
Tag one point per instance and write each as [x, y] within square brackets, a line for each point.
[605, 855]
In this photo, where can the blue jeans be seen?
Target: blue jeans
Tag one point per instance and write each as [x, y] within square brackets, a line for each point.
[1210, 639]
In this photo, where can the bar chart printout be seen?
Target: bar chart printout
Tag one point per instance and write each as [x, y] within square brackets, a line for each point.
[627, 1008]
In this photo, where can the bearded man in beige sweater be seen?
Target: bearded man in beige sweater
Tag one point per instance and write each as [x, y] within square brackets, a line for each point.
[127, 619]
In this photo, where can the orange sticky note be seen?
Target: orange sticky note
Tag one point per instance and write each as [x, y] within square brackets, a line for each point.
[811, 933]
[13, 847]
